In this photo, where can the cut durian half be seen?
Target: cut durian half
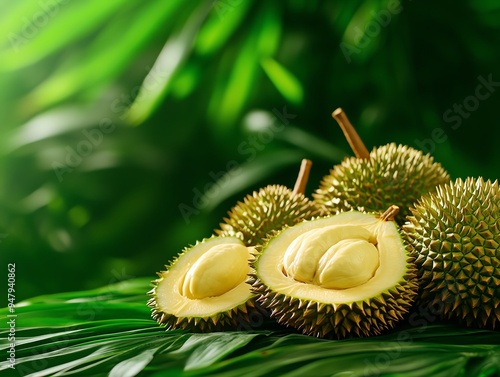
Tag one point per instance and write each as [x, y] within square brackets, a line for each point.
[205, 288]
[345, 275]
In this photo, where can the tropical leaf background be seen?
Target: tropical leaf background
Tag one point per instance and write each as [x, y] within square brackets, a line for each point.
[130, 128]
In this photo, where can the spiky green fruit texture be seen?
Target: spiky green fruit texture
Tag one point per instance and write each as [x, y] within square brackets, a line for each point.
[394, 174]
[454, 235]
[265, 211]
[347, 275]
[204, 288]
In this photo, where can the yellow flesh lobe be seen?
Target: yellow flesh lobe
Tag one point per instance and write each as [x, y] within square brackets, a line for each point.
[345, 258]
[337, 257]
[347, 264]
[216, 272]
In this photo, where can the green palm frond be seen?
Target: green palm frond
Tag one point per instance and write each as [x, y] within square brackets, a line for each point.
[108, 331]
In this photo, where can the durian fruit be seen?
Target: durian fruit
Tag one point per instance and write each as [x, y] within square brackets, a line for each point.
[371, 181]
[204, 288]
[346, 275]
[454, 235]
[270, 209]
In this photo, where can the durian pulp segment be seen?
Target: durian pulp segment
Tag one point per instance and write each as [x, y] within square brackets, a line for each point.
[207, 280]
[336, 256]
[388, 270]
[216, 272]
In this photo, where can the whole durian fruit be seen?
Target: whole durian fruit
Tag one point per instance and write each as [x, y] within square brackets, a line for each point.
[372, 181]
[454, 236]
[205, 288]
[270, 209]
[345, 275]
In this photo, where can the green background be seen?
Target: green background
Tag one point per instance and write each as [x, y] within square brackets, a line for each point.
[119, 118]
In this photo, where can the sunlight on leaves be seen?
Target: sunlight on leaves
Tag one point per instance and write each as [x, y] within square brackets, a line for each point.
[220, 26]
[133, 366]
[157, 82]
[284, 81]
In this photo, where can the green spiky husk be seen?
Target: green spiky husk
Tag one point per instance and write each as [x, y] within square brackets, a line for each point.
[454, 235]
[269, 209]
[394, 174]
[240, 317]
[336, 321]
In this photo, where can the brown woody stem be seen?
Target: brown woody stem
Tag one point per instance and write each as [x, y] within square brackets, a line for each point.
[300, 184]
[390, 214]
[351, 135]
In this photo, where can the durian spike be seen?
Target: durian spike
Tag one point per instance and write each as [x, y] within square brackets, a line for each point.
[300, 184]
[390, 214]
[351, 135]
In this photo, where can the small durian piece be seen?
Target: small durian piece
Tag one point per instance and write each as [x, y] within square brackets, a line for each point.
[346, 275]
[454, 236]
[371, 181]
[204, 288]
[270, 209]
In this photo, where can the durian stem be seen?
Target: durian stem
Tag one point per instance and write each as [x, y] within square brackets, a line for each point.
[390, 214]
[300, 184]
[351, 135]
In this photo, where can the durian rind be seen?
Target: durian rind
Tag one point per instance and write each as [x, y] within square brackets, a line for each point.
[394, 174]
[454, 236]
[360, 317]
[264, 211]
[233, 310]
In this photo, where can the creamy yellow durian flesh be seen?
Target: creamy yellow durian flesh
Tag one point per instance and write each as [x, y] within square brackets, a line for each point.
[205, 288]
[345, 275]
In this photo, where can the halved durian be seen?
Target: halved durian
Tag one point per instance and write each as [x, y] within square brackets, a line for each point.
[345, 275]
[205, 288]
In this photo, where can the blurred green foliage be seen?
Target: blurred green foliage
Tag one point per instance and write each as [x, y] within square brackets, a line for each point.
[120, 118]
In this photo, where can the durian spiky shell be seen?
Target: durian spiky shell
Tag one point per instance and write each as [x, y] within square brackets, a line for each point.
[394, 174]
[237, 318]
[264, 211]
[352, 319]
[454, 235]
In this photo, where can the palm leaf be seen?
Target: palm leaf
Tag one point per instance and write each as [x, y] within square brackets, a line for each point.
[108, 332]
